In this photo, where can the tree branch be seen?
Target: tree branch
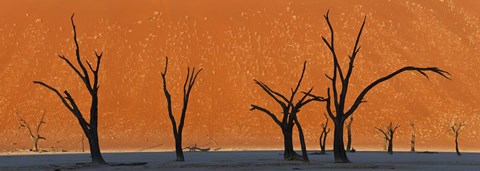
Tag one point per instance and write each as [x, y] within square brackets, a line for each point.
[384, 133]
[298, 84]
[255, 107]
[272, 94]
[328, 105]
[86, 77]
[191, 79]
[56, 92]
[345, 82]
[358, 100]
[76, 111]
[169, 99]
[40, 124]
[71, 66]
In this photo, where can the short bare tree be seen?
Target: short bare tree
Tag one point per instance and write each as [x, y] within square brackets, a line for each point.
[456, 128]
[187, 88]
[324, 134]
[336, 106]
[89, 128]
[389, 134]
[412, 142]
[33, 133]
[289, 117]
[349, 135]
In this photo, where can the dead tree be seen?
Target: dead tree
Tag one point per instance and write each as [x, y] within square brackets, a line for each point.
[412, 142]
[194, 147]
[389, 133]
[187, 88]
[289, 115]
[456, 128]
[89, 128]
[323, 135]
[34, 134]
[83, 144]
[340, 81]
[349, 135]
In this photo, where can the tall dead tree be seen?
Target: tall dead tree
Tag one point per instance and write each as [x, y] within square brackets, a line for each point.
[456, 128]
[187, 88]
[89, 128]
[389, 133]
[349, 134]
[412, 142]
[289, 115]
[340, 81]
[34, 134]
[324, 134]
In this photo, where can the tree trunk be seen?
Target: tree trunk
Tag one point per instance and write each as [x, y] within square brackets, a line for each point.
[302, 141]
[289, 153]
[178, 148]
[322, 142]
[338, 147]
[83, 144]
[456, 146]
[349, 139]
[35, 144]
[412, 146]
[412, 142]
[390, 146]
[95, 148]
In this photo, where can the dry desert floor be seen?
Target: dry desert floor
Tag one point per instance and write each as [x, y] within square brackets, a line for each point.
[241, 160]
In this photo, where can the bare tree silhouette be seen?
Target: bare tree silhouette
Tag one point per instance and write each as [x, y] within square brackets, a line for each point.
[324, 134]
[34, 134]
[82, 142]
[456, 128]
[336, 106]
[289, 118]
[349, 134]
[89, 128]
[389, 133]
[412, 142]
[187, 88]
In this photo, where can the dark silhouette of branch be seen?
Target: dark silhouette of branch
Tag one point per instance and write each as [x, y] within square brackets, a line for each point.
[360, 97]
[389, 133]
[412, 141]
[456, 128]
[340, 81]
[89, 128]
[187, 88]
[34, 134]
[323, 135]
[289, 114]
[275, 119]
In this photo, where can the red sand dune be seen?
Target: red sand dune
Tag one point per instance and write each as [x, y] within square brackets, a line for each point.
[236, 41]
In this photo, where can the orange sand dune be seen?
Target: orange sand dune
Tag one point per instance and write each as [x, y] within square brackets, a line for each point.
[236, 41]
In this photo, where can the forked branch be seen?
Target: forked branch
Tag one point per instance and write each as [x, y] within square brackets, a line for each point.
[360, 97]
